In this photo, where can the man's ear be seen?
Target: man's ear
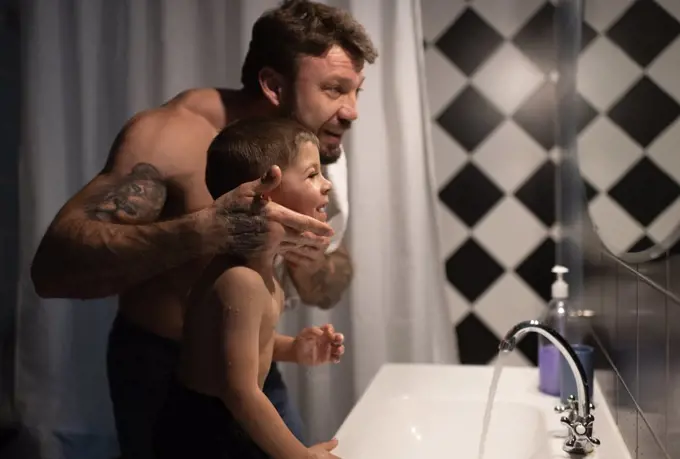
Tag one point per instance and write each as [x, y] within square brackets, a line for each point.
[271, 83]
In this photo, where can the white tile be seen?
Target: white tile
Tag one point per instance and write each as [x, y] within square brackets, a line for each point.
[508, 302]
[672, 6]
[665, 224]
[459, 307]
[507, 16]
[617, 230]
[443, 80]
[665, 151]
[509, 156]
[451, 231]
[605, 153]
[604, 73]
[438, 15]
[664, 69]
[601, 14]
[509, 232]
[507, 78]
[449, 157]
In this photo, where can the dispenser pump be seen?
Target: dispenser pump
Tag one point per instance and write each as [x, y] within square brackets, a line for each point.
[560, 289]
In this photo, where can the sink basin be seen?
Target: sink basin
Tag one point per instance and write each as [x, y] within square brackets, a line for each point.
[415, 411]
[425, 428]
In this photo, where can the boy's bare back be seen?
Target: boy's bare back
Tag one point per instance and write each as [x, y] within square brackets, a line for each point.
[229, 325]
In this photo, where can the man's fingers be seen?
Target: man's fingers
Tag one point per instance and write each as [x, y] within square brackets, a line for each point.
[269, 181]
[297, 222]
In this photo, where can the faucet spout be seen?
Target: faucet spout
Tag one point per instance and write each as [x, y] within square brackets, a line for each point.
[580, 423]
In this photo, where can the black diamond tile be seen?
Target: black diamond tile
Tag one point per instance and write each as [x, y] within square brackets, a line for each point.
[470, 118]
[538, 115]
[591, 191]
[537, 38]
[471, 270]
[644, 111]
[641, 245]
[469, 41]
[477, 345]
[644, 30]
[538, 193]
[645, 191]
[529, 347]
[536, 269]
[470, 195]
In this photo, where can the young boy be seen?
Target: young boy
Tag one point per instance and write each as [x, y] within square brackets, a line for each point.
[216, 408]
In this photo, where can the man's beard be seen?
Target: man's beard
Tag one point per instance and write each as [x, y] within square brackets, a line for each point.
[327, 154]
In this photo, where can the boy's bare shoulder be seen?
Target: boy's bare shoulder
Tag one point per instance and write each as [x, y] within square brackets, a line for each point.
[241, 284]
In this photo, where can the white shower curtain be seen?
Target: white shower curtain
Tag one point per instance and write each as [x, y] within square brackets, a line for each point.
[89, 65]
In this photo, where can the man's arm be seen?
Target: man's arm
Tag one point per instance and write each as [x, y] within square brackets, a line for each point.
[323, 284]
[243, 296]
[106, 238]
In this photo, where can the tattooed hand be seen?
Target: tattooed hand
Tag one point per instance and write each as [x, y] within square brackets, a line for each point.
[255, 224]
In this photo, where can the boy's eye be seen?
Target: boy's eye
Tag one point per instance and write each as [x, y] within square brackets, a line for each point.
[313, 174]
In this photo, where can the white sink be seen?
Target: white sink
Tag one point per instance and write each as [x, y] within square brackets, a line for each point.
[436, 411]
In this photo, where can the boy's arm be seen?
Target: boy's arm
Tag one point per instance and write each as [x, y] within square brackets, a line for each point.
[243, 296]
[284, 349]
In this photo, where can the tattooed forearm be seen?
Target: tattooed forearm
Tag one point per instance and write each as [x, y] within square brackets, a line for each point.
[325, 287]
[138, 198]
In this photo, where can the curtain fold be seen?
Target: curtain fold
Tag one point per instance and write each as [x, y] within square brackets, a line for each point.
[89, 65]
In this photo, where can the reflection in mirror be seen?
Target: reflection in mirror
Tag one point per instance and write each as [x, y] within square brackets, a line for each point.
[629, 153]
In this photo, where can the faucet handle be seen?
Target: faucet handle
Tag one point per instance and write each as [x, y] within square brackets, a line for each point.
[580, 439]
[571, 405]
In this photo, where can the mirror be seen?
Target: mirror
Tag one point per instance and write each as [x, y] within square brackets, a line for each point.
[629, 151]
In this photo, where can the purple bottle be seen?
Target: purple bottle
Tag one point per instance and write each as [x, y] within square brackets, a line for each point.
[549, 357]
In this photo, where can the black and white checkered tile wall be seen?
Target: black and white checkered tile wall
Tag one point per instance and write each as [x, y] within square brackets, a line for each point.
[491, 72]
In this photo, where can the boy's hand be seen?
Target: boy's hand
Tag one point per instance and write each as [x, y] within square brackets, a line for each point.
[318, 345]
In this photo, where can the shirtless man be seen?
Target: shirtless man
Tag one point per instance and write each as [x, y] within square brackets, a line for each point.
[139, 229]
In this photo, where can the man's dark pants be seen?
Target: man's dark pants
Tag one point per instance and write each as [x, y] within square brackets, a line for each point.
[141, 367]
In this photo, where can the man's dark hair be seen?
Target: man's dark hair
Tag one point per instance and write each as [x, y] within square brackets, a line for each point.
[246, 149]
[302, 28]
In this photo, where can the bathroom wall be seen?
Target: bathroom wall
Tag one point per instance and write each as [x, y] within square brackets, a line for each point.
[630, 155]
[9, 155]
[491, 73]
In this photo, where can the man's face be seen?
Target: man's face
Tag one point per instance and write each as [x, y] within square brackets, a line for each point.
[324, 98]
[303, 187]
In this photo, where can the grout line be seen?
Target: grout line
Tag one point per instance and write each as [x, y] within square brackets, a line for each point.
[645, 279]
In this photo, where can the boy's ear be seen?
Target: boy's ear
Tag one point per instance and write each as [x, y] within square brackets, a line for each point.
[271, 83]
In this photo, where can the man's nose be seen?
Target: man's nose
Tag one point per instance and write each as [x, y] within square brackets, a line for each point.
[348, 113]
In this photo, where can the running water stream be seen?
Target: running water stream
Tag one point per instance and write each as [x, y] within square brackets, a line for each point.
[498, 368]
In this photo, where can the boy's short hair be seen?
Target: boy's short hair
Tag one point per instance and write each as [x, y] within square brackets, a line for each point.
[302, 28]
[246, 149]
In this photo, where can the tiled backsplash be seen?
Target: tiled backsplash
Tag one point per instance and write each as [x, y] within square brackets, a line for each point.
[637, 323]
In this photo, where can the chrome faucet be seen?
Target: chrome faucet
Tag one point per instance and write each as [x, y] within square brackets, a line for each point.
[579, 420]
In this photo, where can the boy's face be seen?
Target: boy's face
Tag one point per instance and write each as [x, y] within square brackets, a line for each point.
[303, 187]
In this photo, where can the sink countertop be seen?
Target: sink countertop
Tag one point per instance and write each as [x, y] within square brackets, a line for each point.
[408, 405]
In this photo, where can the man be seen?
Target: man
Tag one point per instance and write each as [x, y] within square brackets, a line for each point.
[144, 227]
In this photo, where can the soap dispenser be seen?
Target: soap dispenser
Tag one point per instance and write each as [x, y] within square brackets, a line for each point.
[549, 356]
